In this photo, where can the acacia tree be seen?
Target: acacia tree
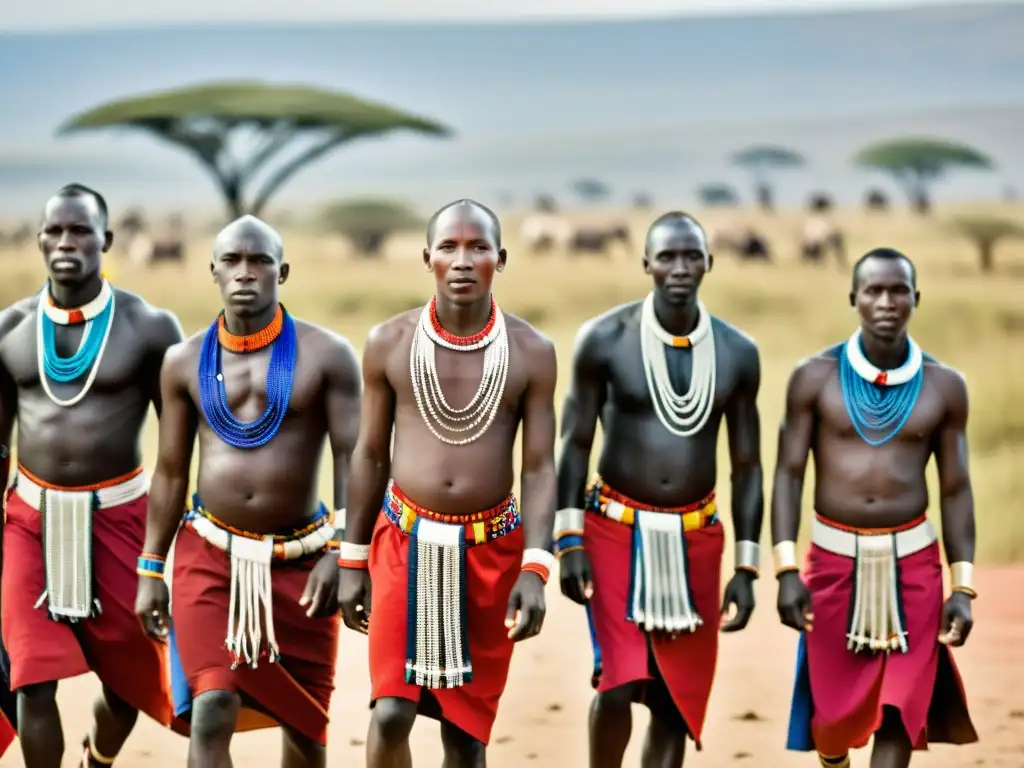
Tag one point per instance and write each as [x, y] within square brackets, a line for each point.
[917, 163]
[367, 224]
[761, 160]
[717, 194]
[985, 232]
[243, 130]
[591, 190]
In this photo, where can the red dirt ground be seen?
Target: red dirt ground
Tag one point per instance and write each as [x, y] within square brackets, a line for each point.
[542, 722]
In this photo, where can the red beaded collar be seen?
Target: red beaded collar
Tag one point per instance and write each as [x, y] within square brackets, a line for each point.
[462, 341]
[262, 338]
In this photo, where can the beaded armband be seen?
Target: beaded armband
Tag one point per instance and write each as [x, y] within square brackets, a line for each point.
[151, 566]
[539, 561]
[353, 555]
[568, 531]
[748, 557]
[962, 578]
[785, 557]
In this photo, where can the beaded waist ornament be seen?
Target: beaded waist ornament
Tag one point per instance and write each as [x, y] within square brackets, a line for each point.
[98, 319]
[437, 642]
[252, 555]
[280, 334]
[659, 598]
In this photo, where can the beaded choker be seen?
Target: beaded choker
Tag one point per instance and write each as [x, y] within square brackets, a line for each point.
[253, 341]
[75, 315]
[869, 372]
[467, 342]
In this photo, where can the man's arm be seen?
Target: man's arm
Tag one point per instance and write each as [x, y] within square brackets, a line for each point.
[538, 480]
[164, 332]
[344, 395]
[371, 457]
[956, 495]
[744, 426]
[178, 424]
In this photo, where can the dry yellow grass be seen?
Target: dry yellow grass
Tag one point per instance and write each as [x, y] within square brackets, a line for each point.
[972, 322]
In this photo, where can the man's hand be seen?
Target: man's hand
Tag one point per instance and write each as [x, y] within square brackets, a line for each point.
[526, 607]
[577, 583]
[795, 602]
[354, 594]
[956, 620]
[321, 594]
[739, 592]
[152, 606]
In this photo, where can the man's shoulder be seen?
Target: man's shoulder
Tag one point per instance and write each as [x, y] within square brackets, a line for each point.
[12, 316]
[732, 336]
[608, 327]
[951, 381]
[394, 329]
[328, 347]
[814, 370]
[144, 316]
[184, 355]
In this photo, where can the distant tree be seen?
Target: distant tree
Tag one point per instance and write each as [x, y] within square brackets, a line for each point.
[642, 201]
[367, 224]
[876, 200]
[238, 130]
[591, 190]
[763, 159]
[916, 163]
[716, 194]
[985, 232]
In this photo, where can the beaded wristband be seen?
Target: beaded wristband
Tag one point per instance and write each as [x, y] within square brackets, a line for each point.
[785, 557]
[568, 543]
[539, 561]
[151, 566]
[353, 555]
[962, 578]
[568, 522]
[748, 557]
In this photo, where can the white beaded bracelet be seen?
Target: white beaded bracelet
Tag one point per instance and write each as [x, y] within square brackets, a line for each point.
[349, 551]
[539, 561]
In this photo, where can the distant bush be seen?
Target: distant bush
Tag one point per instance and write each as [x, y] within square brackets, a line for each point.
[367, 224]
[985, 232]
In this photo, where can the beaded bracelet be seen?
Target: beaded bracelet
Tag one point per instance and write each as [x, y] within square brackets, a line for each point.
[539, 561]
[151, 566]
[355, 556]
[568, 542]
[785, 557]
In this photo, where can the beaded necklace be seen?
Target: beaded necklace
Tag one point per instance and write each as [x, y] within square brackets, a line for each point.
[98, 318]
[280, 376]
[876, 399]
[434, 409]
[682, 415]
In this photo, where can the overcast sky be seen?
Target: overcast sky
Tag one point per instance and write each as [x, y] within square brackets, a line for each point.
[79, 15]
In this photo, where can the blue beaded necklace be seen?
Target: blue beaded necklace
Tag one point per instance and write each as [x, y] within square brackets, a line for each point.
[213, 395]
[874, 408]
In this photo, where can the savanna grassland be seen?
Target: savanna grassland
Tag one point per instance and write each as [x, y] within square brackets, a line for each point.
[971, 321]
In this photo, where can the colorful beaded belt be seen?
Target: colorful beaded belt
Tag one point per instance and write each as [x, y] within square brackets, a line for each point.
[481, 527]
[604, 500]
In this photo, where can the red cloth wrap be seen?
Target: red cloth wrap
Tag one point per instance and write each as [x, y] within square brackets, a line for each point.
[111, 644]
[491, 572]
[685, 664]
[850, 689]
[295, 691]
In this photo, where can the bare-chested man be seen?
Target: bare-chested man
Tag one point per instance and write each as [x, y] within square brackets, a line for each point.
[458, 576]
[874, 410]
[79, 367]
[659, 374]
[257, 554]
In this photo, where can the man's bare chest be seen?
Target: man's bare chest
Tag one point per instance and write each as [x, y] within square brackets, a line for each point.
[920, 418]
[630, 381]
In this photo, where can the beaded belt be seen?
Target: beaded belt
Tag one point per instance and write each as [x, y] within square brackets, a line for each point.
[604, 500]
[67, 536]
[480, 527]
[251, 556]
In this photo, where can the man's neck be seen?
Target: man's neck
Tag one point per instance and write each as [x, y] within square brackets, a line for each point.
[68, 296]
[678, 319]
[885, 353]
[246, 325]
[464, 319]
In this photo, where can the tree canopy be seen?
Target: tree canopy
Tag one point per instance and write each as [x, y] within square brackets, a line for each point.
[985, 232]
[916, 163]
[591, 190]
[716, 193]
[762, 158]
[367, 223]
[239, 129]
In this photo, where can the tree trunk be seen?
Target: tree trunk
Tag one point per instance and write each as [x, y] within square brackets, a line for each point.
[765, 200]
[986, 255]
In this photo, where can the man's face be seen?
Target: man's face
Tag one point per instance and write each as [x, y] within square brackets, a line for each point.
[885, 297]
[676, 256]
[248, 268]
[72, 238]
[464, 254]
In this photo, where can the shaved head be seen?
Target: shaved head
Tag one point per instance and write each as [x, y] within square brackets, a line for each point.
[677, 230]
[250, 235]
[462, 207]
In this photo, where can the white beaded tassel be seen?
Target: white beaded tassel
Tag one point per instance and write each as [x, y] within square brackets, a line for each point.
[682, 415]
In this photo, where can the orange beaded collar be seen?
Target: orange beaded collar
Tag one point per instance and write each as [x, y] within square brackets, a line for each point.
[252, 342]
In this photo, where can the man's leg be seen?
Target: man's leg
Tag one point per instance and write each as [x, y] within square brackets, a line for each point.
[387, 745]
[113, 720]
[214, 715]
[300, 751]
[611, 724]
[39, 728]
[892, 744]
[665, 744]
[460, 749]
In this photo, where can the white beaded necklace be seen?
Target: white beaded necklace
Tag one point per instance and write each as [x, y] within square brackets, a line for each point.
[437, 414]
[82, 314]
[869, 372]
[682, 415]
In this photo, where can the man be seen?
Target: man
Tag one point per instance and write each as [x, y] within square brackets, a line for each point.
[79, 367]
[458, 577]
[263, 390]
[874, 410]
[659, 374]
